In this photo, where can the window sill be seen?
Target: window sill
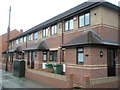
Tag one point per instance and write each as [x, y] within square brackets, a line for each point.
[53, 34]
[81, 63]
[83, 26]
[44, 60]
[52, 61]
[68, 30]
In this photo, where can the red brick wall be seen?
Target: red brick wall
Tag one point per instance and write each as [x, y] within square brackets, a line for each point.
[38, 59]
[13, 33]
[57, 83]
[96, 66]
[3, 39]
[107, 32]
[107, 85]
[71, 55]
[93, 58]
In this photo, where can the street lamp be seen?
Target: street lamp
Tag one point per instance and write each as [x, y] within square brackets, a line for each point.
[8, 36]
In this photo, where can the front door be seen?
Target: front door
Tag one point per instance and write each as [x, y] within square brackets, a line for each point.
[111, 62]
[32, 60]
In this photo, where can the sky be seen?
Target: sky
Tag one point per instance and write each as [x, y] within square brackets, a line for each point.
[26, 14]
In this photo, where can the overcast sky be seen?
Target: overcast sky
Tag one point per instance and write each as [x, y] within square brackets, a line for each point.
[25, 14]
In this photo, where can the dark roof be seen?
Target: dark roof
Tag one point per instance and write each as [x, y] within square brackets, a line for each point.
[73, 11]
[17, 49]
[89, 37]
[40, 45]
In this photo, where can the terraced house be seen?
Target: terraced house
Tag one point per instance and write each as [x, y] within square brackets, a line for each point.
[84, 39]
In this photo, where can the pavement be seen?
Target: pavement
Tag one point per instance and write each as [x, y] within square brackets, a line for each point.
[7, 81]
[10, 82]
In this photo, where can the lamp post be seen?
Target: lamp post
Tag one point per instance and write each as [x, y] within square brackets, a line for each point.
[8, 36]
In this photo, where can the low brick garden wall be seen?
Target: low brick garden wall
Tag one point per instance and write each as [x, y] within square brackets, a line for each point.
[105, 82]
[55, 80]
[10, 67]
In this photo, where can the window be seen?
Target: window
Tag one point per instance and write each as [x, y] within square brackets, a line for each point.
[80, 56]
[53, 56]
[12, 43]
[84, 20]
[54, 30]
[69, 25]
[21, 40]
[36, 36]
[44, 55]
[24, 39]
[17, 41]
[45, 32]
[30, 37]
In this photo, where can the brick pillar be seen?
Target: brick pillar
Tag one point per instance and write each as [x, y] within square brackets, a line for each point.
[86, 82]
[59, 54]
[69, 80]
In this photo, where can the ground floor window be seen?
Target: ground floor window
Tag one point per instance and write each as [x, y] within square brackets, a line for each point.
[44, 55]
[80, 56]
[53, 55]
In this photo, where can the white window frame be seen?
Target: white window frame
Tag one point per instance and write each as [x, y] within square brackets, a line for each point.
[69, 24]
[35, 35]
[80, 51]
[17, 42]
[84, 20]
[45, 32]
[30, 37]
[24, 39]
[21, 40]
[53, 29]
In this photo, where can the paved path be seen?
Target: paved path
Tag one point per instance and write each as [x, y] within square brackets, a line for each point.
[7, 80]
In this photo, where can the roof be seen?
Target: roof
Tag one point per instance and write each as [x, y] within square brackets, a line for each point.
[73, 11]
[89, 37]
[40, 45]
[17, 49]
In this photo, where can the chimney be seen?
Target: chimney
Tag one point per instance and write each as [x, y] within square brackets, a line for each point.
[119, 3]
[21, 30]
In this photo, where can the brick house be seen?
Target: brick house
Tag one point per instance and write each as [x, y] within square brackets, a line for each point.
[3, 39]
[84, 39]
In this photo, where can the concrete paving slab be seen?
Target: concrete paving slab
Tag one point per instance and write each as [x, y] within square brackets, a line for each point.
[9, 81]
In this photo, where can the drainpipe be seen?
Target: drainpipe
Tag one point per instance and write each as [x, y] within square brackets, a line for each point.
[26, 40]
[61, 54]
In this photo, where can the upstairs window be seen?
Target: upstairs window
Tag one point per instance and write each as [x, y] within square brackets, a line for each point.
[30, 37]
[17, 41]
[53, 56]
[54, 30]
[80, 56]
[21, 40]
[24, 39]
[12, 43]
[45, 32]
[36, 36]
[69, 25]
[84, 20]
